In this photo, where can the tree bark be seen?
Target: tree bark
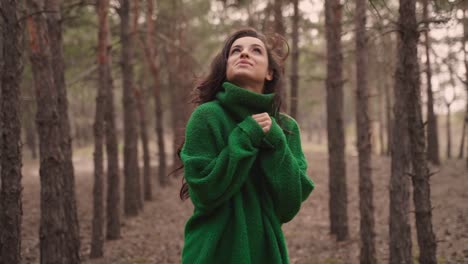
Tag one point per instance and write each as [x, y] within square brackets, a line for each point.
[417, 142]
[131, 170]
[152, 56]
[57, 241]
[336, 141]
[295, 60]
[113, 171]
[400, 230]
[135, 7]
[449, 131]
[140, 97]
[281, 30]
[432, 134]
[463, 136]
[97, 240]
[11, 69]
[54, 23]
[366, 206]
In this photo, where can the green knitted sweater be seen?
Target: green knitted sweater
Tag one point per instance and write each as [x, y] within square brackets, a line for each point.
[243, 183]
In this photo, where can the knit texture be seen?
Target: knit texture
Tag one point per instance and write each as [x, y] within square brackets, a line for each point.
[243, 183]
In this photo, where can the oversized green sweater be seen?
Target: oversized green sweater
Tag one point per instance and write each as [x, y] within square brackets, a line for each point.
[243, 183]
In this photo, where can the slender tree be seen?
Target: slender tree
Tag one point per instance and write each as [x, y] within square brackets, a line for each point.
[279, 28]
[54, 23]
[366, 206]
[135, 10]
[432, 134]
[141, 106]
[11, 68]
[336, 141]
[132, 196]
[400, 230]
[448, 104]
[417, 142]
[113, 172]
[295, 59]
[152, 56]
[58, 243]
[97, 240]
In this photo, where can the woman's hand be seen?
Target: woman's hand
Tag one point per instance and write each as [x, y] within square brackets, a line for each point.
[264, 120]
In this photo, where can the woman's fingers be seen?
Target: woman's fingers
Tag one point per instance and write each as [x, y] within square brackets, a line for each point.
[264, 120]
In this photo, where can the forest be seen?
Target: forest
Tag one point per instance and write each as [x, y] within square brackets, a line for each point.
[95, 96]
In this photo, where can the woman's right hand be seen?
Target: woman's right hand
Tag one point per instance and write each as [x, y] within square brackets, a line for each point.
[264, 120]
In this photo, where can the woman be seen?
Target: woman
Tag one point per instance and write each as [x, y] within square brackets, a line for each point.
[244, 167]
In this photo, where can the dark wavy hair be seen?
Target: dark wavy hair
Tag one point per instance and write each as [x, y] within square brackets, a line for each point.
[207, 88]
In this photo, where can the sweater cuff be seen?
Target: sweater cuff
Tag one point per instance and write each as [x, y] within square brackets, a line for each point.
[253, 130]
[275, 135]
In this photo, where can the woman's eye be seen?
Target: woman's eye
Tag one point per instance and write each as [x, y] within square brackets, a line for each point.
[257, 50]
[235, 50]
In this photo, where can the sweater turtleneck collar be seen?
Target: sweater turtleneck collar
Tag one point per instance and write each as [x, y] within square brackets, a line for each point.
[242, 102]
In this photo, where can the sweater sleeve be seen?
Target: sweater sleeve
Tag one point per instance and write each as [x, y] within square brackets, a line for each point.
[285, 169]
[215, 175]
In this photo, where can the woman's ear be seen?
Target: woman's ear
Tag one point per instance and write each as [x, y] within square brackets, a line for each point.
[269, 75]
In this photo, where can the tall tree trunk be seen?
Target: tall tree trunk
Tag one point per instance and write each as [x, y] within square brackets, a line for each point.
[152, 56]
[135, 7]
[463, 136]
[172, 58]
[417, 142]
[141, 104]
[57, 241]
[280, 29]
[11, 69]
[336, 141]
[400, 230]
[54, 23]
[366, 206]
[131, 170]
[432, 134]
[295, 59]
[465, 53]
[97, 240]
[113, 171]
[449, 132]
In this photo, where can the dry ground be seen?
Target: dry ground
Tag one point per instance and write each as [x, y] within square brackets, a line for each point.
[156, 235]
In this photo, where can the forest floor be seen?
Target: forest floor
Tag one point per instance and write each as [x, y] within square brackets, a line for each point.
[156, 235]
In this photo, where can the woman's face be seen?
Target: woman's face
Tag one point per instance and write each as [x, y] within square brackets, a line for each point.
[247, 63]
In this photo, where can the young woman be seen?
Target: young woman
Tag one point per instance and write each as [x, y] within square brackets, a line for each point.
[244, 168]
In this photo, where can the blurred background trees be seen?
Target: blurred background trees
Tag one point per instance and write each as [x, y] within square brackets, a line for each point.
[106, 77]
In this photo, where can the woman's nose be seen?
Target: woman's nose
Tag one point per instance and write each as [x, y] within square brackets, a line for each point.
[244, 54]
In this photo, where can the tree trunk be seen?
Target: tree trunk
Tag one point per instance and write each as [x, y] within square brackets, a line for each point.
[463, 136]
[280, 29]
[465, 53]
[97, 240]
[151, 55]
[31, 136]
[54, 23]
[140, 97]
[135, 7]
[417, 142]
[113, 171]
[11, 69]
[366, 206]
[449, 132]
[56, 243]
[172, 59]
[336, 141]
[400, 230]
[432, 134]
[295, 60]
[131, 169]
